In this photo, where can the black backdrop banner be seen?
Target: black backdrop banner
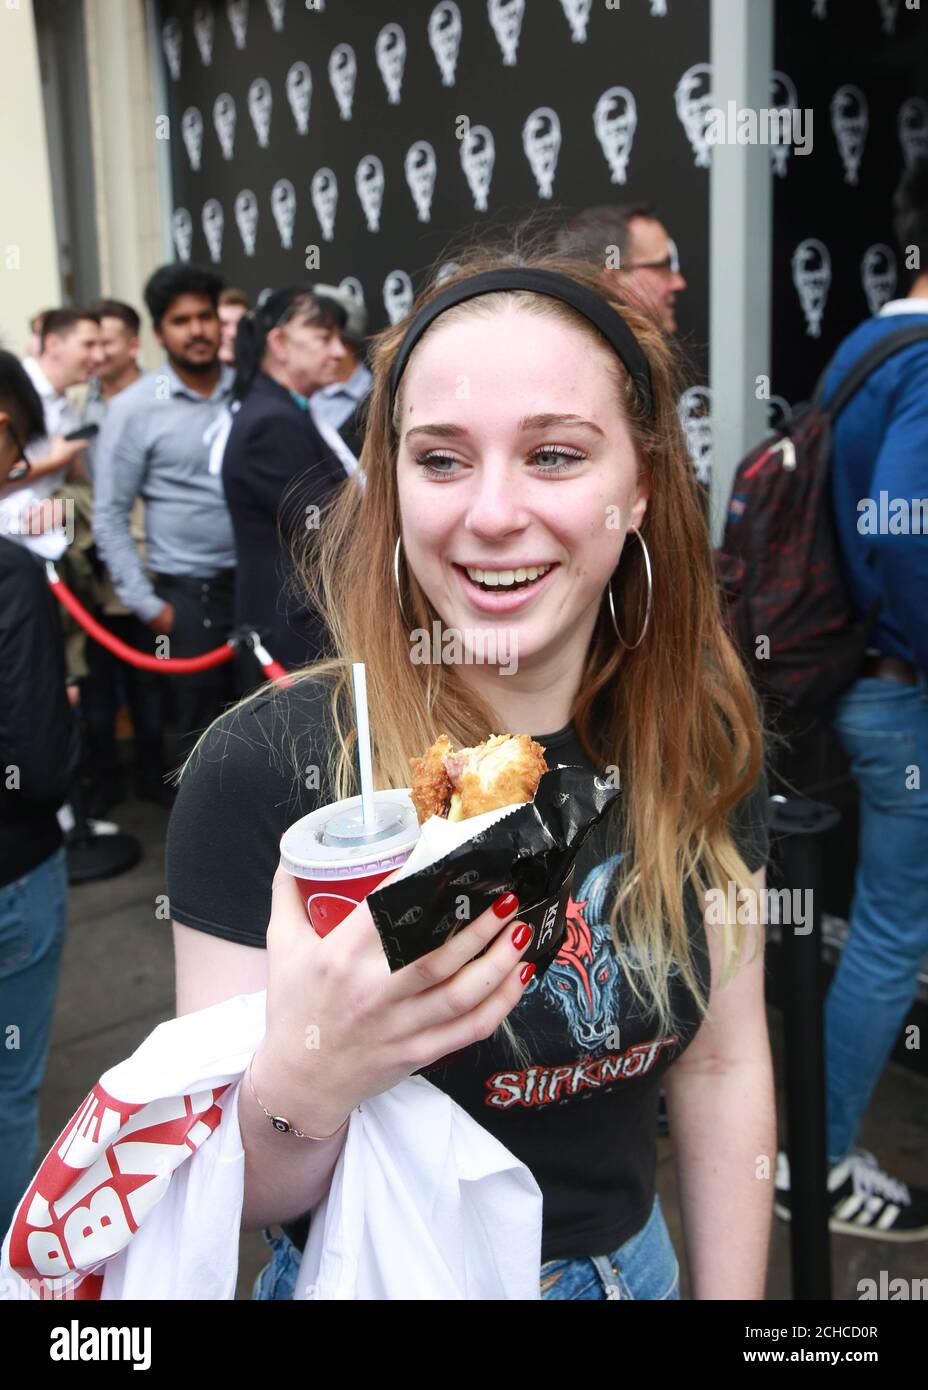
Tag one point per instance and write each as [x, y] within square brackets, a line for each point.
[360, 138]
[861, 66]
[355, 141]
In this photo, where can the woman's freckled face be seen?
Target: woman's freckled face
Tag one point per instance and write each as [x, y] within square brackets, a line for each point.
[503, 489]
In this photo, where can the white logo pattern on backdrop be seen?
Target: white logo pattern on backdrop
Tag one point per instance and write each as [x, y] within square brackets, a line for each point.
[369, 182]
[260, 105]
[878, 275]
[659, 9]
[191, 128]
[811, 266]
[541, 140]
[578, 14]
[506, 21]
[390, 52]
[783, 96]
[354, 287]
[182, 232]
[695, 411]
[204, 28]
[445, 29]
[299, 86]
[889, 9]
[224, 122]
[615, 120]
[246, 219]
[693, 100]
[323, 193]
[913, 130]
[343, 74]
[819, 9]
[850, 122]
[213, 220]
[237, 14]
[478, 155]
[420, 168]
[283, 207]
[397, 295]
[172, 41]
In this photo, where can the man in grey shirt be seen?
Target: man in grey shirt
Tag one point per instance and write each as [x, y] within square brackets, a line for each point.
[152, 446]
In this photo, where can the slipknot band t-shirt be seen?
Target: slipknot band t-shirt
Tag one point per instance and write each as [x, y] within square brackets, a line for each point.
[581, 1113]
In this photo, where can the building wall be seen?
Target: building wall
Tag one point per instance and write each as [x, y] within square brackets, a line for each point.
[128, 205]
[29, 275]
[123, 111]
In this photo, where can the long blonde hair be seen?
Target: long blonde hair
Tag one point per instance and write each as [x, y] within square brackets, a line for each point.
[677, 715]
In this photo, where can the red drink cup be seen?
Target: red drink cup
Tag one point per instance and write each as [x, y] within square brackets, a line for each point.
[337, 860]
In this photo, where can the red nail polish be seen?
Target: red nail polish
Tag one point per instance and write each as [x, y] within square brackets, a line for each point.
[526, 973]
[521, 935]
[506, 904]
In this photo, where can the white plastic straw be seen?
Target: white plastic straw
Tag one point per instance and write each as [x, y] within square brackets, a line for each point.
[359, 684]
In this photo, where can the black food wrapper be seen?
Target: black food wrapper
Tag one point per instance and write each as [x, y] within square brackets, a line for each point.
[529, 852]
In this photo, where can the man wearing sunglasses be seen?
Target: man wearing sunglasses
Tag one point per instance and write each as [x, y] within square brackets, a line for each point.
[648, 266]
[39, 754]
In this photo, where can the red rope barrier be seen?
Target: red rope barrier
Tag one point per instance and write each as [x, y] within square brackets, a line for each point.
[166, 665]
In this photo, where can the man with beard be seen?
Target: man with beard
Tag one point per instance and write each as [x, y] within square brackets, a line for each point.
[152, 446]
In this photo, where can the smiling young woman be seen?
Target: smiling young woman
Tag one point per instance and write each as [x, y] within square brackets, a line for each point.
[515, 438]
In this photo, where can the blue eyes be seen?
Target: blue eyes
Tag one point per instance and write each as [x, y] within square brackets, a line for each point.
[568, 457]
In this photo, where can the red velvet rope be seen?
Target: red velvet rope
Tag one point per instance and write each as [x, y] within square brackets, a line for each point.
[167, 665]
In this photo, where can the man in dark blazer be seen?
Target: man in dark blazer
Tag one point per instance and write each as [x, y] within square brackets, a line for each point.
[277, 470]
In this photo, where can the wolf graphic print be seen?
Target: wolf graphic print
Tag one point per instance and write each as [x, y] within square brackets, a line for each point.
[586, 988]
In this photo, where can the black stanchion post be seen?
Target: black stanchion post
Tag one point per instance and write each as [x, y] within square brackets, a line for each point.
[797, 825]
[91, 855]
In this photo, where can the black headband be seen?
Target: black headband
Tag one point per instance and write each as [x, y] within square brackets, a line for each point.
[593, 307]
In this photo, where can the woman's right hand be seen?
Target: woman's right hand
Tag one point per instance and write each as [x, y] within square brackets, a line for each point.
[342, 1028]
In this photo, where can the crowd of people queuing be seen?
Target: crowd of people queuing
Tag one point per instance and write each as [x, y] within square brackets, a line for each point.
[175, 502]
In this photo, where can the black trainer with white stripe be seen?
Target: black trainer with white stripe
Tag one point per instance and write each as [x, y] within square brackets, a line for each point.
[865, 1201]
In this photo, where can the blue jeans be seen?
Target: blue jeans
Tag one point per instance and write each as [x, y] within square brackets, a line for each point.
[645, 1267]
[33, 914]
[883, 726]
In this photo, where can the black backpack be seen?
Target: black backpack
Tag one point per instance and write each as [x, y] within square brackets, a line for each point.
[779, 563]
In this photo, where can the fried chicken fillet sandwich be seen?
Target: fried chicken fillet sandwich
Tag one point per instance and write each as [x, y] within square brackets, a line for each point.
[504, 770]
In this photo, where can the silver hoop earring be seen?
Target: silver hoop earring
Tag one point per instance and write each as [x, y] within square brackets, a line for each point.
[396, 580]
[630, 646]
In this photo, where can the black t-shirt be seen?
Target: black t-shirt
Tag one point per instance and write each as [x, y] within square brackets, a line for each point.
[582, 1115]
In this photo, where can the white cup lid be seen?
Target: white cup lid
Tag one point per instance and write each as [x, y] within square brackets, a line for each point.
[334, 840]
